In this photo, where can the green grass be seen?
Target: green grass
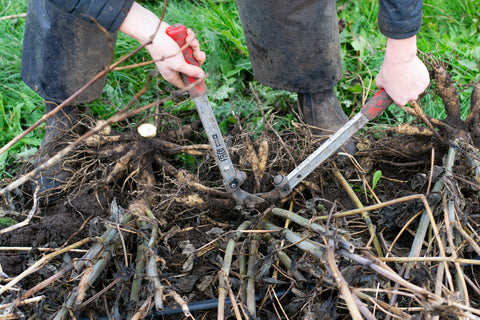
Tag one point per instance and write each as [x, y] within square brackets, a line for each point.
[450, 32]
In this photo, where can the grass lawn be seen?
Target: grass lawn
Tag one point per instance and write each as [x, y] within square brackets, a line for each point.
[450, 32]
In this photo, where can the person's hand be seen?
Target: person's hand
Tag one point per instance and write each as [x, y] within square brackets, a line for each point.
[169, 59]
[141, 24]
[402, 74]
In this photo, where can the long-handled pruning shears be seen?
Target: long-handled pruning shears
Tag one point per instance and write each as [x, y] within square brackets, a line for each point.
[233, 178]
[372, 109]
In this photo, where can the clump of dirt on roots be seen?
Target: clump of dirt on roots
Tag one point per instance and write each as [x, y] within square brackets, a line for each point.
[144, 226]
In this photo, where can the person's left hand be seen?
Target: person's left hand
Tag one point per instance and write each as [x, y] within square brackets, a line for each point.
[169, 58]
[141, 24]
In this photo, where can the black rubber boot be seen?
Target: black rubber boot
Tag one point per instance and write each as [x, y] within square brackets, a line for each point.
[322, 111]
[58, 132]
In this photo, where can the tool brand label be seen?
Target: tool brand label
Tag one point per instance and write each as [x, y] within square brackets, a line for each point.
[221, 152]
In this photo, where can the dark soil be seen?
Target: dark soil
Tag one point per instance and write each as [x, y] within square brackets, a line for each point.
[84, 209]
[192, 219]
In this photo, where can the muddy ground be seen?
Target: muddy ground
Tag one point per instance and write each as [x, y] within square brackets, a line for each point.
[163, 203]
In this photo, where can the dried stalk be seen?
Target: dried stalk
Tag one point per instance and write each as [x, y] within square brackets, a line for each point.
[187, 178]
[233, 300]
[77, 295]
[339, 242]
[467, 237]
[143, 311]
[40, 263]
[152, 272]
[139, 269]
[425, 120]
[358, 203]
[305, 222]
[39, 249]
[252, 261]
[23, 302]
[385, 306]
[98, 247]
[430, 259]
[242, 270]
[29, 217]
[373, 207]
[426, 217]
[449, 215]
[424, 296]
[179, 300]
[13, 16]
[99, 293]
[341, 283]
[224, 272]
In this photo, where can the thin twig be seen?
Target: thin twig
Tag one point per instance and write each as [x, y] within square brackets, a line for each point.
[30, 214]
[13, 16]
[341, 283]
[252, 261]
[40, 263]
[371, 228]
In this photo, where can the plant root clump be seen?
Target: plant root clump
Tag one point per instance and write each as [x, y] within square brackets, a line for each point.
[144, 227]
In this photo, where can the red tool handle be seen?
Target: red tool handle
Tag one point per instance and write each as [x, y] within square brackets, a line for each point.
[376, 105]
[178, 32]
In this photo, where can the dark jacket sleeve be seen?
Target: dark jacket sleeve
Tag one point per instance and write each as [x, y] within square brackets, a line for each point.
[400, 19]
[108, 13]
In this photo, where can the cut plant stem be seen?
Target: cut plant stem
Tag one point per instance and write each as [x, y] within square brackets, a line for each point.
[358, 203]
[152, 272]
[340, 242]
[449, 216]
[40, 263]
[342, 284]
[98, 247]
[252, 261]
[225, 270]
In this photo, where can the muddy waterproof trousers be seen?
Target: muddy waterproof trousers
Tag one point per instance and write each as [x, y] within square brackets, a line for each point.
[293, 45]
[61, 53]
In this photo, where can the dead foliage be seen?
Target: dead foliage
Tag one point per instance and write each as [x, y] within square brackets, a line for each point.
[140, 231]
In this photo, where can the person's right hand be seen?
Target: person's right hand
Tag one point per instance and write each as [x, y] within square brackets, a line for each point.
[141, 24]
[402, 74]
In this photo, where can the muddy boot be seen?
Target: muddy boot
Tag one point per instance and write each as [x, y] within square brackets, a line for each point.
[322, 110]
[58, 132]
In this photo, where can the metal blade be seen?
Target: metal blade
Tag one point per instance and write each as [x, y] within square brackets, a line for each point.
[328, 148]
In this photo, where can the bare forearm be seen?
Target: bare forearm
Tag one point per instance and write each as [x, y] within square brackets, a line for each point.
[145, 27]
[141, 24]
[401, 50]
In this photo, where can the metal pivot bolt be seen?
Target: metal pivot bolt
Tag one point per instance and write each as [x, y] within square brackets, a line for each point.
[281, 185]
[235, 183]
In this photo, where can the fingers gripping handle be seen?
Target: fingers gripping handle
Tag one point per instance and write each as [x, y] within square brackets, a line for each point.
[376, 105]
[178, 32]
